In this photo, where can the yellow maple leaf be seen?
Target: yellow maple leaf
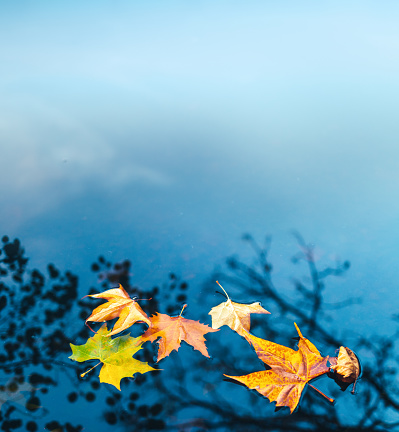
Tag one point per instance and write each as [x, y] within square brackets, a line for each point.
[119, 305]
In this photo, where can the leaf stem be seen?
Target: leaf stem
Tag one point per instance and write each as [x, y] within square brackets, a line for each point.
[320, 392]
[83, 374]
[223, 289]
[184, 307]
[353, 388]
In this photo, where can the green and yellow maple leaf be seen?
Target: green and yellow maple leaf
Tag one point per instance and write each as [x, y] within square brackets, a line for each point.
[115, 354]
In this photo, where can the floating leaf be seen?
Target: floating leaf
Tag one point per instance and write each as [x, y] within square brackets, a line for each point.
[347, 367]
[119, 305]
[115, 354]
[235, 315]
[290, 370]
[173, 330]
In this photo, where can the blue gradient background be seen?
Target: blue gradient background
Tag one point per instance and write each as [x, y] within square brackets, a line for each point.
[162, 131]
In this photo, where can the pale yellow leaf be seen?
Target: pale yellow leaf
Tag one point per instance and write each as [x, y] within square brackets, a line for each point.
[235, 315]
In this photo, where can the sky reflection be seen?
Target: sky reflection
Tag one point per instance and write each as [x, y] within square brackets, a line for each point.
[162, 132]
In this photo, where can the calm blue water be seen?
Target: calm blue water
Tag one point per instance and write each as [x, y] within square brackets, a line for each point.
[163, 132]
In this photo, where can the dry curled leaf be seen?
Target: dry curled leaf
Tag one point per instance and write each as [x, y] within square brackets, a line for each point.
[173, 330]
[347, 367]
[119, 305]
[235, 315]
[115, 354]
[290, 370]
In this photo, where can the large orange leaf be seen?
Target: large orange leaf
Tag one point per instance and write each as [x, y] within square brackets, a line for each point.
[119, 305]
[173, 330]
[235, 315]
[290, 370]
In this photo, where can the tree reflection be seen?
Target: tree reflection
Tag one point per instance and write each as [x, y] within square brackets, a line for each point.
[189, 394]
[33, 329]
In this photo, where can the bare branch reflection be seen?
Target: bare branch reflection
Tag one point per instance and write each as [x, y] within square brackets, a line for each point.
[189, 394]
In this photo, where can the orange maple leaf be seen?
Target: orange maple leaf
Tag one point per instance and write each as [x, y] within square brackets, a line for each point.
[173, 330]
[290, 370]
[119, 305]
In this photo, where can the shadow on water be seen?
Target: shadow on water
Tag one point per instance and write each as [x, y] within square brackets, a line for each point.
[189, 394]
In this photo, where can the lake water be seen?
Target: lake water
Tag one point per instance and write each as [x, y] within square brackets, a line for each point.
[162, 133]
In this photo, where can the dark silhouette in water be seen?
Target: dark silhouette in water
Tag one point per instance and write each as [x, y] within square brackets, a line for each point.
[189, 394]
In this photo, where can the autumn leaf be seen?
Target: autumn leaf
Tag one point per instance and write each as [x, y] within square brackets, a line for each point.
[119, 305]
[290, 370]
[173, 330]
[347, 367]
[115, 354]
[235, 315]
